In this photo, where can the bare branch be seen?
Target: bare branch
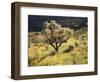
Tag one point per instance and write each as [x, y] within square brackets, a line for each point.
[49, 40]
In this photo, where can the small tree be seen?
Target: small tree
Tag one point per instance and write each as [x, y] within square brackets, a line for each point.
[55, 34]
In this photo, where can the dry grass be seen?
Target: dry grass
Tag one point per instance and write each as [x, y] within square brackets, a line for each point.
[42, 54]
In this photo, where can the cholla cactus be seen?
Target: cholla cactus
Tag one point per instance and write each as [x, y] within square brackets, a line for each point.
[56, 34]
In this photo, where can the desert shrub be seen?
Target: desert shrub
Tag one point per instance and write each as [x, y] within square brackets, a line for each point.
[69, 49]
[72, 51]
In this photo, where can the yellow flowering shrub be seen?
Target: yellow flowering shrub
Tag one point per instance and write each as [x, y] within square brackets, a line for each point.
[73, 51]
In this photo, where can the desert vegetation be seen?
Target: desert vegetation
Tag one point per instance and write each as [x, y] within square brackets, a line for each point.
[57, 45]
